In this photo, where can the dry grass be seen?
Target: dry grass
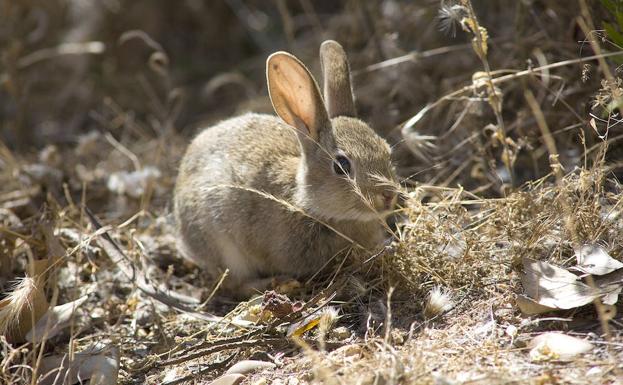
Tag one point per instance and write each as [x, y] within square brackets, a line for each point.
[506, 162]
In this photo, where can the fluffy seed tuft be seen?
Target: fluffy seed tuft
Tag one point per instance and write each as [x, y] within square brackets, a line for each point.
[449, 16]
[439, 301]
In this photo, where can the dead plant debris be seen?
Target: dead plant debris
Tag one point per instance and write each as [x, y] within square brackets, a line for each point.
[506, 264]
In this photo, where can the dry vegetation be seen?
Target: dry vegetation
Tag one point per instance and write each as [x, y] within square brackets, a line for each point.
[506, 133]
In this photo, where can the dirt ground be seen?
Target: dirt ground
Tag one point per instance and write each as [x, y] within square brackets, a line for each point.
[504, 121]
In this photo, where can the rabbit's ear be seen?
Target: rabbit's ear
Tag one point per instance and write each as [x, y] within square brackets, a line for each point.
[338, 93]
[295, 95]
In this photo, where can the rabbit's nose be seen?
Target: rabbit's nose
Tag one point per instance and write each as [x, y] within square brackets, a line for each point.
[388, 199]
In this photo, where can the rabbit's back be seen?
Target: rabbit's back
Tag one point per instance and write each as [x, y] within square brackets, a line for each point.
[243, 151]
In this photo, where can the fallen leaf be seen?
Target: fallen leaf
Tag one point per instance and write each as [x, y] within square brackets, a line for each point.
[595, 260]
[612, 297]
[528, 306]
[554, 346]
[54, 320]
[610, 284]
[228, 379]
[98, 363]
[248, 366]
[325, 319]
[299, 328]
[555, 287]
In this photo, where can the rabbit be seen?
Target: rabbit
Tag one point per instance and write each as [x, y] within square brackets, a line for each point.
[280, 196]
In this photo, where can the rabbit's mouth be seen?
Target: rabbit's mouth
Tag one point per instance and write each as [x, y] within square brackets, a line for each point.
[368, 208]
[385, 201]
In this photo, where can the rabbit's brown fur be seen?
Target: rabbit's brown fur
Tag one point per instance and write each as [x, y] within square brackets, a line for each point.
[261, 196]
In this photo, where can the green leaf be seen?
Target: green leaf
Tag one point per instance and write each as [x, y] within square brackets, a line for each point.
[613, 34]
[615, 104]
[619, 16]
[610, 5]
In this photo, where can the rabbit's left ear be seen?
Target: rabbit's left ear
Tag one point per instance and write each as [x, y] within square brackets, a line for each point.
[295, 95]
[338, 93]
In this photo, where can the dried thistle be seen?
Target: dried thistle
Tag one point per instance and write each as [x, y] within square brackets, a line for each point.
[586, 72]
[438, 302]
[449, 16]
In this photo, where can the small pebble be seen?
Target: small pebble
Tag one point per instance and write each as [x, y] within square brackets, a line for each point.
[347, 351]
[341, 333]
[398, 337]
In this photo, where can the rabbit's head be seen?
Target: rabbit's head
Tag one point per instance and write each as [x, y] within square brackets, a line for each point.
[345, 172]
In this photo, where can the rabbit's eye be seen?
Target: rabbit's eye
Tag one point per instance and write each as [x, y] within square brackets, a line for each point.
[341, 165]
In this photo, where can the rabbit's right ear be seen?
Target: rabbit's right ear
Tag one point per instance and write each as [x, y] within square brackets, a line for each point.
[295, 95]
[338, 92]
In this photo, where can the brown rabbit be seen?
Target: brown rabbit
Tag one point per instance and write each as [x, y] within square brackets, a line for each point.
[267, 196]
